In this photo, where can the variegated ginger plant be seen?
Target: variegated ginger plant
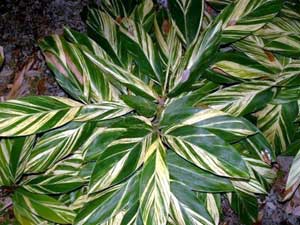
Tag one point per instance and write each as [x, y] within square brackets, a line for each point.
[157, 125]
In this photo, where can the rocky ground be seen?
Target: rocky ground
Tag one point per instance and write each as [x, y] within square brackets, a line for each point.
[22, 23]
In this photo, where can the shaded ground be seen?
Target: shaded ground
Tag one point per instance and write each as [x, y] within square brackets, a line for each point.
[24, 72]
[22, 23]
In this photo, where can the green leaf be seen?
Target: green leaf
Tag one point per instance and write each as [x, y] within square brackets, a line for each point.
[193, 177]
[43, 206]
[245, 206]
[243, 17]
[207, 151]
[170, 48]
[155, 186]
[143, 106]
[104, 30]
[240, 66]
[53, 184]
[231, 129]
[293, 180]
[56, 145]
[213, 205]
[197, 59]
[102, 111]
[186, 208]
[240, 99]
[13, 157]
[124, 154]
[31, 115]
[24, 216]
[109, 203]
[277, 124]
[74, 72]
[138, 43]
[281, 36]
[187, 16]
[119, 75]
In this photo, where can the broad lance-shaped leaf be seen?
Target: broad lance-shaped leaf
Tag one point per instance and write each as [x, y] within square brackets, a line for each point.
[43, 206]
[229, 128]
[103, 29]
[277, 124]
[24, 216]
[119, 75]
[37, 114]
[187, 16]
[30, 115]
[102, 111]
[144, 14]
[252, 46]
[14, 154]
[75, 72]
[186, 208]
[213, 205]
[170, 48]
[123, 155]
[240, 99]
[139, 44]
[155, 186]
[56, 145]
[245, 206]
[207, 151]
[142, 106]
[197, 59]
[53, 184]
[240, 66]
[195, 178]
[293, 180]
[243, 17]
[109, 203]
[281, 35]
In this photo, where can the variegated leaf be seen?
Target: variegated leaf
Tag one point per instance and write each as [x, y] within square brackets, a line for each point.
[187, 16]
[240, 66]
[119, 75]
[30, 115]
[24, 216]
[102, 111]
[123, 156]
[104, 30]
[207, 151]
[240, 99]
[14, 154]
[53, 184]
[193, 177]
[75, 72]
[186, 208]
[138, 43]
[170, 47]
[56, 145]
[243, 17]
[277, 124]
[281, 36]
[245, 206]
[230, 128]
[155, 186]
[213, 205]
[197, 59]
[109, 203]
[43, 206]
[293, 180]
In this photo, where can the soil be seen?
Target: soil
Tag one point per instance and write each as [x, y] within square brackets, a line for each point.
[23, 23]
